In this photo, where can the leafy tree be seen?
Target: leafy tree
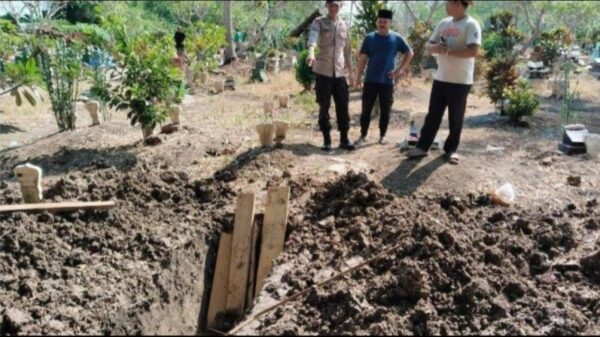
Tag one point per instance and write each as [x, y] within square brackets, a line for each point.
[367, 14]
[418, 37]
[77, 11]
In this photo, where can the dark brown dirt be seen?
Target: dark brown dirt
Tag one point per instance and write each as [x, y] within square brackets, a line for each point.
[465, 267]
[137, 269]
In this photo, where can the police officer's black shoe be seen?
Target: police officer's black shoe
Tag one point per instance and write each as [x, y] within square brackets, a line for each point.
[347, 146]
[326, 147]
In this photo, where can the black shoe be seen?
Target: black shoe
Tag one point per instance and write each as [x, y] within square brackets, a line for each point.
[347, 146]
[326, 147]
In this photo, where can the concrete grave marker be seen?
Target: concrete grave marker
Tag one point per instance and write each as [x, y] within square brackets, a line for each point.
[30, 179]
[284, 101]
[218, 86]
[269, 107]
[175, 113]
[93, 107]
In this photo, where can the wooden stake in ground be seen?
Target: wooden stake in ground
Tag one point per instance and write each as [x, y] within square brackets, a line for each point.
[218, 294]
[59, 207]
[30, 179]
[274, 228]
[240, 254]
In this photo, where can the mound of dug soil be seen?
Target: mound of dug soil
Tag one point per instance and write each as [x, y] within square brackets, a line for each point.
[136, 269]
[464, 267]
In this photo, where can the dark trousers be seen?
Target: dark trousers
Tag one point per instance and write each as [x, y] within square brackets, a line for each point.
[371, 91]
[445, 95]
[338, 88]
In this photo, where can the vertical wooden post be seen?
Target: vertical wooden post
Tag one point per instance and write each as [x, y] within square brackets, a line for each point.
[218, 294]
[240, 254]
[274, 228]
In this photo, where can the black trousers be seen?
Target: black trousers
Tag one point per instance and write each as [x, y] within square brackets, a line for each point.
[338, 88]
[371, 91]
[445, 95]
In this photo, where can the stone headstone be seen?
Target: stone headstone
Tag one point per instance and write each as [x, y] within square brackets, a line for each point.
[93, 107]
[273, 65]
[30, 179]
[230, 83]
[218, 87]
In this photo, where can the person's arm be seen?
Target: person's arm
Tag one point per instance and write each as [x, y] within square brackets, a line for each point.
[408, 55]
[363, 57]
[471, 52]
[348, 57]
[433, 46]
[360, 69]
[313, 38]
[406, 62]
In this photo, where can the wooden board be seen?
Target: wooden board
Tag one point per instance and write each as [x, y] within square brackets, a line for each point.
[273, 233]
[218, 294]
[58, 207]
[240, 254]
[254, 254]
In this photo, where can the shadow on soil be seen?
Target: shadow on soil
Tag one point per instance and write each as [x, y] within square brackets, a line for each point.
[6, 129]
[405, 179]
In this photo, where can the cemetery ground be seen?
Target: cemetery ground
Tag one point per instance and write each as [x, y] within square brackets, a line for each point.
[464, 265]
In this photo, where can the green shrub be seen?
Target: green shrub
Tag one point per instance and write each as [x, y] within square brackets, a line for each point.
[61, 68]
[501, 74]
[7, 26]
[304, 73]
[522, 101]
[203, 41]
[550, 43]
[151, 81]
[94, 34]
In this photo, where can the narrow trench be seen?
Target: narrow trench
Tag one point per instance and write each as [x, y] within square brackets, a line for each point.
[226, 321]
[209, 270]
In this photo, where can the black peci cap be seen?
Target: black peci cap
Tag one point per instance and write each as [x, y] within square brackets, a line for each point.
[385, 14]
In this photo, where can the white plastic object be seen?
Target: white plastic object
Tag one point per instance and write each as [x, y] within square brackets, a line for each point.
[505, 195]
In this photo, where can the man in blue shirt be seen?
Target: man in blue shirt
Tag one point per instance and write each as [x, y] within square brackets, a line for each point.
[380, 49]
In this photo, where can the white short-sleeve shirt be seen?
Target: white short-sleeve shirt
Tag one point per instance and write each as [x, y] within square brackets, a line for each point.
[457, 35]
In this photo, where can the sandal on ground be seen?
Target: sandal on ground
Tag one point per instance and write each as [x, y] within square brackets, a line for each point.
[453, 158]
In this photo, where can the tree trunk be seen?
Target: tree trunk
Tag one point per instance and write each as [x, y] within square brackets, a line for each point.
[230, 54]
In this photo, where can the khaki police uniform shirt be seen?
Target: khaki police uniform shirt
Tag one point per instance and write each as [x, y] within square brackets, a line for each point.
[335, 46]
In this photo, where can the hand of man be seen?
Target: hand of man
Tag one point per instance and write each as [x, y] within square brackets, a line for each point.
[310, 60]
[358, 84]
[439, 49]
[395, 75]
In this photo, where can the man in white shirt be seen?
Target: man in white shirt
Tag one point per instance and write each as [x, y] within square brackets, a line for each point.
[456, 41]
